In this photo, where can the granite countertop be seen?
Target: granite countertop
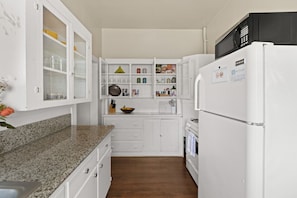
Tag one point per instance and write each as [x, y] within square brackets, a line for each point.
[50, 160]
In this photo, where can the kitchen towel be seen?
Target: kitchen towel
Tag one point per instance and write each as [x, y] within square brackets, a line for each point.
[191, 144]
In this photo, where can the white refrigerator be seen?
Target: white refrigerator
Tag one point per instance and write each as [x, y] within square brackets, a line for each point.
[247, 106]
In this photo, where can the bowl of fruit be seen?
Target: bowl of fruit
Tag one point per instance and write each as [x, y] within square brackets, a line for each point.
[127, 109]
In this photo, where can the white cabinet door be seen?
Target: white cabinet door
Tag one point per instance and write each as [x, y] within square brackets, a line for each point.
[169, 135]
[89, 189]
[82, 62]
[188, 70]
[55, 54]
[103, 78]
[67, 56]
[166, 78]
[161, 136]
[151, 133]
[104, 180]
[37, 61]
[82, 173]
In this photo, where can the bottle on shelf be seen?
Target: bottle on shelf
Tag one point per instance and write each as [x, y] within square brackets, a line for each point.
[144, 80]
[138, 70]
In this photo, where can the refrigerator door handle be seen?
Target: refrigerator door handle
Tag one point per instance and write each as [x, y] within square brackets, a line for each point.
[196, 91]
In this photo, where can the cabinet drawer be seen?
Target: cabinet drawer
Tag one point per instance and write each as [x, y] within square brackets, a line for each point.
[124, 123]
[126, 134]
[126, 146]
[82, 173]
[89, 189]
[104, 146]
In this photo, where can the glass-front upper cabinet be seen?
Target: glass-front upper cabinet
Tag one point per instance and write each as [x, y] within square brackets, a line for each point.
[55, 60]
[67, 57]
[80, 67]
[103, 78]
[166, 76]
[53, 55]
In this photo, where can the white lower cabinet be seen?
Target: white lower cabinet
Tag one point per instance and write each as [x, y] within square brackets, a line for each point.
[89, 189]
[146, 136]
[161, 136]
[81, 174]
[169, 136]
[127, 135]
[92, 178]
[104, 169]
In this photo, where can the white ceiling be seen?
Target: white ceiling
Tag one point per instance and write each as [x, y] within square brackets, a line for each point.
[157, 14]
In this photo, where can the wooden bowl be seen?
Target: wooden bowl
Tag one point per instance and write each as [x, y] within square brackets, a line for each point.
[127, 110]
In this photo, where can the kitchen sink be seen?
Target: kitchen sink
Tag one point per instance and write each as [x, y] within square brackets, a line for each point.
[16, 189]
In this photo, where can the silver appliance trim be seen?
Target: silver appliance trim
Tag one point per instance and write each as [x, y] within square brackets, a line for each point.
[235, 119]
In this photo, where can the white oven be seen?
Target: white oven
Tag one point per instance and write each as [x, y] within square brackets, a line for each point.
[192, 142]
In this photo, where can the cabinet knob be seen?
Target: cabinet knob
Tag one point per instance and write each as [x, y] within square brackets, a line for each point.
[36, 89]
[95, 174]
[87, 171]
[101, 165]
[106, 145]
[36, 6]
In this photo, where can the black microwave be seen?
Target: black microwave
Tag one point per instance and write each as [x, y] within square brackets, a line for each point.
[279, 28]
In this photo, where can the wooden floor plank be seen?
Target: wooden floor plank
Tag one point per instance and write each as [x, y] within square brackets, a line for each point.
[152, 177]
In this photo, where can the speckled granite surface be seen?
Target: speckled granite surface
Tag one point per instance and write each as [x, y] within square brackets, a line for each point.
[13, 138]
[51, 159]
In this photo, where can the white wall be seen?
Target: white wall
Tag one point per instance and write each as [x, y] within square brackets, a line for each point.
[235, 10]
[149, 43]
[81, 9]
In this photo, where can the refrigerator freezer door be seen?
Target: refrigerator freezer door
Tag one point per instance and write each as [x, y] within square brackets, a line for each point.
[280, 122]
[233, 85]
[230, 158]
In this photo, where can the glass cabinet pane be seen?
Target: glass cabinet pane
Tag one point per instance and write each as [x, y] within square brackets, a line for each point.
[54, 57]
[80, 65]
[103, 74]
[166, 80]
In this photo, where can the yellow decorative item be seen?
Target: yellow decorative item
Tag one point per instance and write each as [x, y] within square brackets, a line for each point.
[119, 70]
[74, 47]
[51, 33]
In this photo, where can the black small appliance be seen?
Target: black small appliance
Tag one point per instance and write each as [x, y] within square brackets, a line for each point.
[279, 28]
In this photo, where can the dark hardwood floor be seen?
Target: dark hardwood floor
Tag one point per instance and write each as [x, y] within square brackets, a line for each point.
[152, 177]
